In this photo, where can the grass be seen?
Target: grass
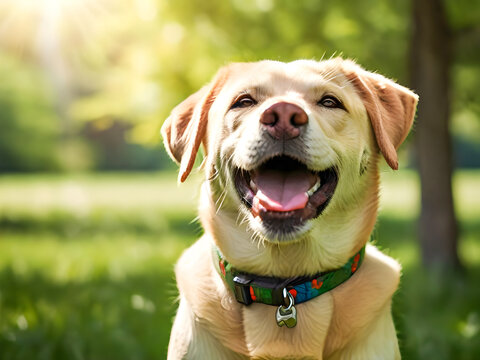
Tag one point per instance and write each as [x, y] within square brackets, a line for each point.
[86, 266]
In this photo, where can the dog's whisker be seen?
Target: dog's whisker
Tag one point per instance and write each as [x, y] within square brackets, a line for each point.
[333, 75]
[215, 175]
[241, 218]
[196, 219]
[221, 199]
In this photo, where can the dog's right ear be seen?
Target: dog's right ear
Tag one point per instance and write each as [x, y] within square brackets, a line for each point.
[186, 127]
[390, 107]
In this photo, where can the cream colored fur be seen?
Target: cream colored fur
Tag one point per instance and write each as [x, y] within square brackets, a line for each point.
[352, 321]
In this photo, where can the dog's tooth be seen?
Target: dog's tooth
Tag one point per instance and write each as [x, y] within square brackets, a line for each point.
[314, 188]
[253, 186]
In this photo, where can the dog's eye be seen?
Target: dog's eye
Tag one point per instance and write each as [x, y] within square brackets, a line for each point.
[330, 101]
[243, 102]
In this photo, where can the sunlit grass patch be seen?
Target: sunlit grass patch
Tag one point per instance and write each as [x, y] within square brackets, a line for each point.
[82, 258]
[400, 194]
[466, 186]
[83, 194]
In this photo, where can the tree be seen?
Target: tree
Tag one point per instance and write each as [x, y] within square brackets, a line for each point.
[431, 60]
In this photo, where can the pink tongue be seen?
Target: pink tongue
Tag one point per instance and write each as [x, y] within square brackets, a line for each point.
[281, 191]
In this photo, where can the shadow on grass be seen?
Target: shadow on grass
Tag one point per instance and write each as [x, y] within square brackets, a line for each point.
[69, 224]
[437, 316]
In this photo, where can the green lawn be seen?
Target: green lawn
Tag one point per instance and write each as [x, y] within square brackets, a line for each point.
[86, 266]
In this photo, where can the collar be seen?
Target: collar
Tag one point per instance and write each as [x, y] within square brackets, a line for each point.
[250, 288]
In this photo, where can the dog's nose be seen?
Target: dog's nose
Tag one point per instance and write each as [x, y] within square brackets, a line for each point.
[284, 120]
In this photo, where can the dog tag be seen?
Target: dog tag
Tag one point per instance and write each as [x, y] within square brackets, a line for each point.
[286, 316]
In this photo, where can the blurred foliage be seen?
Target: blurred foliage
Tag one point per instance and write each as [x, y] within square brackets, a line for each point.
[88, 274]
[79, 72]
[29, 130]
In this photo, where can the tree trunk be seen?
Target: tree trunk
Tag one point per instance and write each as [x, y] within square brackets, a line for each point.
[430, 71]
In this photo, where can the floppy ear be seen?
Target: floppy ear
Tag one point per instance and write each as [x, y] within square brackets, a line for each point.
[185, 129]
[390, 107]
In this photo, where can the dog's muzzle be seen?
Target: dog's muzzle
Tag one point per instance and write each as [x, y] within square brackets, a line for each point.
[283, 193]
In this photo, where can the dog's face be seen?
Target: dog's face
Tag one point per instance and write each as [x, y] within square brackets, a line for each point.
[292, 148]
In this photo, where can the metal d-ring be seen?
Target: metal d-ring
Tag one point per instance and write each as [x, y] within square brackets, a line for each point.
[287, 295]
[287, 315]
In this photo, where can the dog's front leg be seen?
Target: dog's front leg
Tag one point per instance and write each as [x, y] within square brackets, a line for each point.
[191, 340]
[375, 342]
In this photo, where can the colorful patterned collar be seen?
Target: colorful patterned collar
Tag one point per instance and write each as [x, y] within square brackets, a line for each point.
[250, 288]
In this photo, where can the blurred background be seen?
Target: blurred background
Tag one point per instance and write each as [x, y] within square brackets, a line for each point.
[91, 218]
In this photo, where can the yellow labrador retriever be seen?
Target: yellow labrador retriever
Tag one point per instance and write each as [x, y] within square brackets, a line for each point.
[288, 204]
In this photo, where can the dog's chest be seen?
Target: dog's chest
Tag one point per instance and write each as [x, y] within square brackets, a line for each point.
[265, 339]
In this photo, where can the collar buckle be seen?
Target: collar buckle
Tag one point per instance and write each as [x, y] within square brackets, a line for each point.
[248, 289]
[241, 288]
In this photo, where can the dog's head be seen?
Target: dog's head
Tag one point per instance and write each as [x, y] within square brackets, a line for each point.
[292, 148]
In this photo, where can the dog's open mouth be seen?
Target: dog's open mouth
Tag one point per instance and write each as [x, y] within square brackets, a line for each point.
[284, 193]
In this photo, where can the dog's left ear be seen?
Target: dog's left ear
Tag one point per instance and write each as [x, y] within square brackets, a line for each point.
[186, 127]
[390, 107]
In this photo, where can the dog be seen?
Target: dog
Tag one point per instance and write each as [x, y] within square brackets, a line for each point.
[289, 201]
